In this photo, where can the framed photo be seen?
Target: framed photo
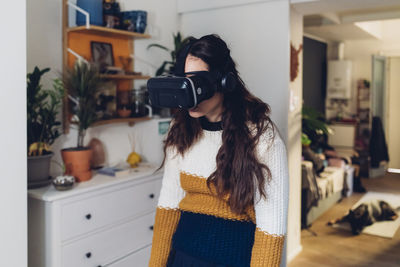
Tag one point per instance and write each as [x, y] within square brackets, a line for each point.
[102, 55]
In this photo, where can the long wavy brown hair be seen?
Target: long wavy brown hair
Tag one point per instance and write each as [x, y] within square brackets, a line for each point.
[237, 163]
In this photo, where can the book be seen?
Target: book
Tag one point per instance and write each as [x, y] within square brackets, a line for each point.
[114, 171]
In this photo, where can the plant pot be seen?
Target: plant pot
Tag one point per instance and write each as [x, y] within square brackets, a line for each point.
[38, 170]
[124, 113]
[77, 163]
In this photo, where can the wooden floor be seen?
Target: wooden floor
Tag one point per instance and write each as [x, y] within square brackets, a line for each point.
[335, 247]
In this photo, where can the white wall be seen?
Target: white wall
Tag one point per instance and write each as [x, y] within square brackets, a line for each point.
[259, 47]
[393, 127]
[44, 39]
[13, 182]
[258, 36]
[294, 141]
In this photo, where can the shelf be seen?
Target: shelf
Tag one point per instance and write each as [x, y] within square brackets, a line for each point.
[109, 32]
[130, 121]
[124, 77]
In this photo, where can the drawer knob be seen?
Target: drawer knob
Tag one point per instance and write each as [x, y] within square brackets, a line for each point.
[88, 216]
[151, 196]
[151, 228]
[88, 255]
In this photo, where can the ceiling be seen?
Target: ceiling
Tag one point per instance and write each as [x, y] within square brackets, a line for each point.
[309, 7]
[339, 33]
[334, 20]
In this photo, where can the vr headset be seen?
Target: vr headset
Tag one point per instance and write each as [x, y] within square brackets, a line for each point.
[187, 91]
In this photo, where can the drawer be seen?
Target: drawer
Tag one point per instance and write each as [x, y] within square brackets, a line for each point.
[101, 210]
[140, 258]
[107, 246]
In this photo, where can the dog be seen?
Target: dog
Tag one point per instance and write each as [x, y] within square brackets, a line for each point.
[366, 214]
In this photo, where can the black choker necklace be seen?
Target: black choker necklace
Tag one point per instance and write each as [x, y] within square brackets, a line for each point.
[209, 125]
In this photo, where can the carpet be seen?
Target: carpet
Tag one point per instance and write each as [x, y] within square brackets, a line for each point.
[384, 229]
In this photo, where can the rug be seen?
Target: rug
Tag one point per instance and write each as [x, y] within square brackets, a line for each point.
[384, 229]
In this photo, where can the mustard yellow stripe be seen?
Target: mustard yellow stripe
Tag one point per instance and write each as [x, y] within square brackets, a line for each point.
[267, 249]
[199, 199]
[166, 221]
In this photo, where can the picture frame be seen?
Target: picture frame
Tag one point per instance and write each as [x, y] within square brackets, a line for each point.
[102, 55]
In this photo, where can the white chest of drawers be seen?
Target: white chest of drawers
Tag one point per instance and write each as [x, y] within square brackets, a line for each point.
[106, 221]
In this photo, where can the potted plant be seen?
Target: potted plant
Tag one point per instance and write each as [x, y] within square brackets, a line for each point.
[313, 126]
[178, 43]
[305, 141]
[82, 83]
[42, 125]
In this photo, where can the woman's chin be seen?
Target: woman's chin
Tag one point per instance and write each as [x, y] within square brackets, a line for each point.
[195, 114]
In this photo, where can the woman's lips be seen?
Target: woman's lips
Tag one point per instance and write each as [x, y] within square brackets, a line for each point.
[193, 109]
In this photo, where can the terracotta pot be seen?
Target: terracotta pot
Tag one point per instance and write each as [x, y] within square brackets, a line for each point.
[124, 113]
[77, 162]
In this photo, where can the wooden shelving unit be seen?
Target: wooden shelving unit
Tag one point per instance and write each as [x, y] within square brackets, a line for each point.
[79, 38]
[124, 77]
[130, 121]
[108, 32]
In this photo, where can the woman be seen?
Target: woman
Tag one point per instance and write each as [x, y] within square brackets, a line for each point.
[224, 194]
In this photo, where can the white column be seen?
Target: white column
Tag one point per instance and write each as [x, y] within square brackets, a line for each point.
[13, 181]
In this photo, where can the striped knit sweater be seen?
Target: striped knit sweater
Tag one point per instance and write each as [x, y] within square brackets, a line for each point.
[191, 218]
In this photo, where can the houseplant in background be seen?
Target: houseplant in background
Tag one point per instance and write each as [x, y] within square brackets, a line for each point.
[168, 66]
[305, 141]
[313, 125]
[314, 128]
[42, 125]
[82, 83]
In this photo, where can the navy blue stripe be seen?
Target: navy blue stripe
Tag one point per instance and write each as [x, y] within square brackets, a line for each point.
[214, 239]
[178, 258]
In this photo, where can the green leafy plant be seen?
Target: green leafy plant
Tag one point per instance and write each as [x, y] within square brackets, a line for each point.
[313, 124]
[305, 141]
[168, 65]
[83, 82]
[43, 106]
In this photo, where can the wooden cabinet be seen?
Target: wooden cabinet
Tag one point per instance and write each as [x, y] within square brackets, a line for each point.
[77, 43]
[106, 221]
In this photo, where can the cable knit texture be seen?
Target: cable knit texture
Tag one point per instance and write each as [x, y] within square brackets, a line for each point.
[165, 224]
[191, 218]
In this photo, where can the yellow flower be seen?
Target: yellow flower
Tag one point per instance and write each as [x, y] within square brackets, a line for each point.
[133, 159]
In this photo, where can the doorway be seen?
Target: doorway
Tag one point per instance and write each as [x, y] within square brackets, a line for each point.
[379, 87]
